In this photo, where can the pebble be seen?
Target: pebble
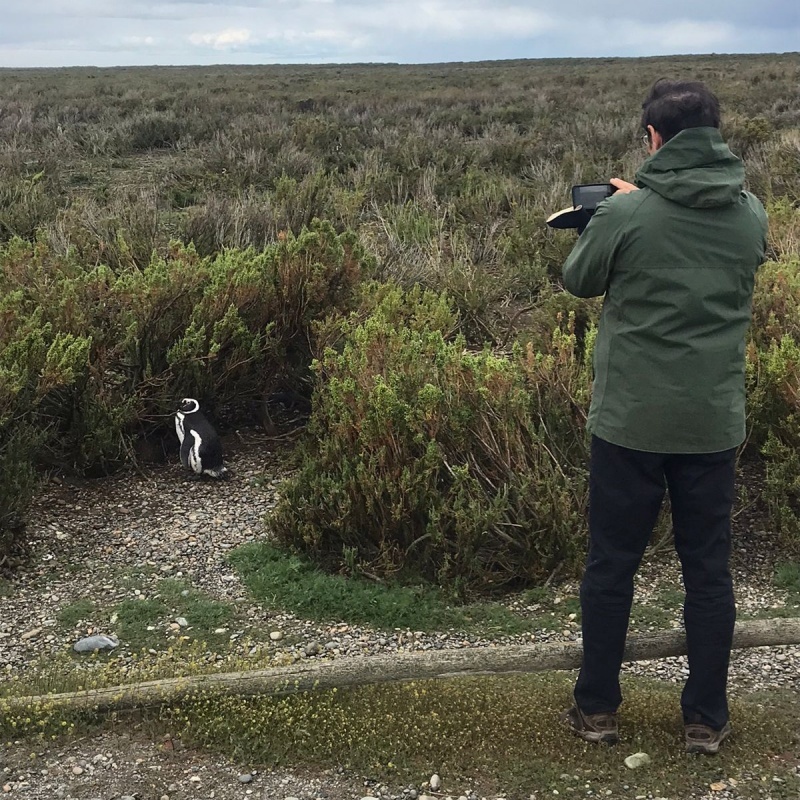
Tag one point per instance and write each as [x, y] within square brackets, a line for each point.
[245, 777]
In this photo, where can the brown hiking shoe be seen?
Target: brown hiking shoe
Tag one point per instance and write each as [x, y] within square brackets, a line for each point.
[596, 728]
[704, 739]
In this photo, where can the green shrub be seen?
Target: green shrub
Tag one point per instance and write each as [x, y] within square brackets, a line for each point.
[423, 458]
[37, 364]
[773, 377]
[775, 426]
[18, 482]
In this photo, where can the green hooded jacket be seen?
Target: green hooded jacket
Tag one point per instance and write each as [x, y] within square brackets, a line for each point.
[676, 261]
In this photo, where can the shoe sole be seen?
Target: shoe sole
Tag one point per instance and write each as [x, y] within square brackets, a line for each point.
[711, 748]
[596, 738]
[593, 737]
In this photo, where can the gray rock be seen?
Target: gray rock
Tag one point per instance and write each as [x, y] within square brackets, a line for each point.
[637, 760]
[91, 643]
[245, 777]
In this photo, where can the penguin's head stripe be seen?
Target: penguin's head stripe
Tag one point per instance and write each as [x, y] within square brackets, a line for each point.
[188, 405]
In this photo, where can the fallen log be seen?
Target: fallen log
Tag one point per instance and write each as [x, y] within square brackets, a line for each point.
[396, 667]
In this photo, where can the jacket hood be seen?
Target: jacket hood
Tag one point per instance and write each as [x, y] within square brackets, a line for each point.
[695, 169]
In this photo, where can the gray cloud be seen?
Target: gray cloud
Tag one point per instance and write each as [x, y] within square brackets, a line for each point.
[108, 32]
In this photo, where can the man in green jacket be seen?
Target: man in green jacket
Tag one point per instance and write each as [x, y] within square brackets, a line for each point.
[675, 255]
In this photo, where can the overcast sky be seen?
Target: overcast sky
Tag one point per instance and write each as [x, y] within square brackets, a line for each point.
[115, 32]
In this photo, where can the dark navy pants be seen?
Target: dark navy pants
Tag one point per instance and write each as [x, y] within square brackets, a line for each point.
[626, 490]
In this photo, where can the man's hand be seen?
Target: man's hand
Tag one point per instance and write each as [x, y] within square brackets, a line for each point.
[624, 186]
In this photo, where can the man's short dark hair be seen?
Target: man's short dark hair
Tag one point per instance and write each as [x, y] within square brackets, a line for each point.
[673, 106]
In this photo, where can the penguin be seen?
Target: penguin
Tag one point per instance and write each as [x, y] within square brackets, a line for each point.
[201, 451]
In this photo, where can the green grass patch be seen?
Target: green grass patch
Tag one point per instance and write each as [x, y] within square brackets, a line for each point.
[133, 619]
[203, 614]
[552, 609]
[790, 611]
[787, 576]
[670, 598]
[173, 599]
[79, 611]
[280, 580]
[498, 734]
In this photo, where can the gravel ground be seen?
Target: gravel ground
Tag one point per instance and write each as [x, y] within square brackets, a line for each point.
[114, 539]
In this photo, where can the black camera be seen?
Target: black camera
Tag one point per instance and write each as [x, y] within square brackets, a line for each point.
[585, 199]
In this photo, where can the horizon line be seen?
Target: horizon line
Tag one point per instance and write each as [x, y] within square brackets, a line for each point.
[312, 64]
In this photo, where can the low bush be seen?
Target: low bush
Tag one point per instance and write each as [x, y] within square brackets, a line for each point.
[426, 459]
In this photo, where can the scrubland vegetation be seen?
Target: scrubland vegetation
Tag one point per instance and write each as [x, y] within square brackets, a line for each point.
[371, 237]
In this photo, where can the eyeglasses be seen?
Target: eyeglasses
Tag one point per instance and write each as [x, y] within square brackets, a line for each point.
[646, 138]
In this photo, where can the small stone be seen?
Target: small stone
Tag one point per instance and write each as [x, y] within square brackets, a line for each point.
[637, 760]
[720, 786]
[276, 636]
[195, 779]
[435, 782]
[30, 634]
[182, 621]
[77, 770]
[245, 777]
[91, 643]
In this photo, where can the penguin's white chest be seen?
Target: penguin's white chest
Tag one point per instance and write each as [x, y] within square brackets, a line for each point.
[194, 453]
[179, 426]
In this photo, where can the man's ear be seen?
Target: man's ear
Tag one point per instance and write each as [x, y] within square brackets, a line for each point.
[656, 140]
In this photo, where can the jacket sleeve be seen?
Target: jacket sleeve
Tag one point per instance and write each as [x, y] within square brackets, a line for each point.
[588, 269]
